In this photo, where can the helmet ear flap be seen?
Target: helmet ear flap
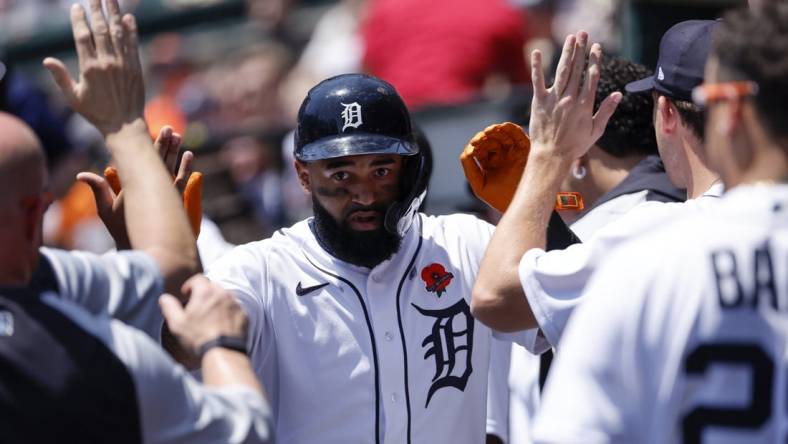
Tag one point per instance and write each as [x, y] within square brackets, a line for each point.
[413, 180]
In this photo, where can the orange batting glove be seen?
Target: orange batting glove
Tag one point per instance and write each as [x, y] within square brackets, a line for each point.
[493, 162]
[192, 195]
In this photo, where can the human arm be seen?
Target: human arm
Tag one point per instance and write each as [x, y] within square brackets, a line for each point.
[212, 312]
[562, 124]
[229, 406]
[110, 94]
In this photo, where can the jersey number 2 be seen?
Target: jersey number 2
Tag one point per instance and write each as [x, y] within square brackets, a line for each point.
[752, 416]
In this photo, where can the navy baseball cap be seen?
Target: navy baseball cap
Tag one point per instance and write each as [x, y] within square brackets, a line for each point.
[682, 56]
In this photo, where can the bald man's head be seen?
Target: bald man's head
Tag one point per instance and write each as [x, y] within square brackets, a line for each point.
[23, 179]
[22, 160]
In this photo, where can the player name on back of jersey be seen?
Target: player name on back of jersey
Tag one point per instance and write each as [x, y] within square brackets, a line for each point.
[748, 282]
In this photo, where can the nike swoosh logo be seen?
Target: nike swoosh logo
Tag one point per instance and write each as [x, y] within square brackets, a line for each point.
[301, 291]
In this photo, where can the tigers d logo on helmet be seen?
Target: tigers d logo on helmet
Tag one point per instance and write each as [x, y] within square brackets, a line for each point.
[352, 115]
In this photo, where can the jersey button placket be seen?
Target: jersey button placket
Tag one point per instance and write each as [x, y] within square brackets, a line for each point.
[382, 303]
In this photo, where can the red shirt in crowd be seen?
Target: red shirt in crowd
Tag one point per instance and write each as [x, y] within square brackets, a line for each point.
[442, 51]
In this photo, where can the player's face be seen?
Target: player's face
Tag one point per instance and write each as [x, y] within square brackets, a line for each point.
[355, 190]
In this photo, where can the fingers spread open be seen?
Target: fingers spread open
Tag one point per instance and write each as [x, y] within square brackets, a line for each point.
[588, 90]
[176, 141]
[578, 65]
[537, 74]
[116, 29]
[102, 193]
[100, 30]
[83, 38]
[162, 143]
[62, 77]
[603, 114]
[564, 66]
[184, 171]
[130, 42]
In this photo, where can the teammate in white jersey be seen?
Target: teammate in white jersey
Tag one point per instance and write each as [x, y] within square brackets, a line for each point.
[620, 171]
[693, 346]
[520, 287]
[360, 324]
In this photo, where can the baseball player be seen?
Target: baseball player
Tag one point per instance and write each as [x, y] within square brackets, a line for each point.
[621, 171]
[520, 287]
[693, 348]
[360, 324]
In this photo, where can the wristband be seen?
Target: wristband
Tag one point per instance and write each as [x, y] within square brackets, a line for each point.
[229, 342]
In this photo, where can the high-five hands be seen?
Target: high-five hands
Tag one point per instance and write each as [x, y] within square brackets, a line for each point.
[494, 161]
[563, 123]
[109, 92]
[187, 181]
[563, 126]
[107, 190]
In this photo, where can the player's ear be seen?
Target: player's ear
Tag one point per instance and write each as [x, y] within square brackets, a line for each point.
[668, 113]
[303, 176]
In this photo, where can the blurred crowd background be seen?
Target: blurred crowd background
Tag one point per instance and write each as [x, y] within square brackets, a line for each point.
[230, 74]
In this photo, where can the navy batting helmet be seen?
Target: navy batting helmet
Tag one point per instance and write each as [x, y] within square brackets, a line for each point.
[355, 114]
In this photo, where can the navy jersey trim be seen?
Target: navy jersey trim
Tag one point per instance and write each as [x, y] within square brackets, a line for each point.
[372, 338]
[399, 321]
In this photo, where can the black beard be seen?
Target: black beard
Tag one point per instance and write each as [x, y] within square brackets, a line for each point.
[364, 248]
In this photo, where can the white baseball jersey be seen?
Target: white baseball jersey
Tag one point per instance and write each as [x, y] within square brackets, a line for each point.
[524, 370]
[353, 355]
[211, 244]
[600, 216]
[684, 335]
[554, 281]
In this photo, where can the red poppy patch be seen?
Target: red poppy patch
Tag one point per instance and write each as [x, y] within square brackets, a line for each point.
[436, 278]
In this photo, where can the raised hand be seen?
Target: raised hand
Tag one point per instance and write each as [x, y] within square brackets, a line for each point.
[107, 190]
[493, 162]
[110, 91]
[563, 122]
